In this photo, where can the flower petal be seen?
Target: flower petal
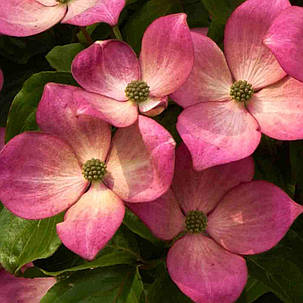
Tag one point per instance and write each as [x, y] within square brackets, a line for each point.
[252, 218]
[58, 114]
[206, 272]
[279, 109]
[141, 162]
[25, 18]
[203, 190]
[210, 79]
[218, 132]
[284, 39]
[2, 137]
[167, 54]
[119, 114]
[106, 68]
[87, 12]
[22, 290]
[92, 221]
[248, 58]
[39, 176]
[153, 106]
[163, 216]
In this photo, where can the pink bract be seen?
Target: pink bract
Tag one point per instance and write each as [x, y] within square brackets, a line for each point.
[23, 290]
[285, 37]
[25, 18]
[107, 67]
[41, 176]
[244, 217]
[217, 128]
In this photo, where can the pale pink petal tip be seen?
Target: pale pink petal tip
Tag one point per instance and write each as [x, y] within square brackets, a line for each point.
[30, 17]
[285, 39]
[206, 272]
[167, 54]
[23, 290]
[92, 221]
[106, 67]
[87, 12]
[34, 163]
[153, 106]
[141, 161]
[252, 218]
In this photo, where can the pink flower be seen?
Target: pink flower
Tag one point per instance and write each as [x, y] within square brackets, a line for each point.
[23, 290]
[285, 38]
[224, 117]
[224, 215]
[74, 164]
[111, 69]
[1, 79]
[29, 17]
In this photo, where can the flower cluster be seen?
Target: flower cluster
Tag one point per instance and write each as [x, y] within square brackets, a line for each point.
[98, 149]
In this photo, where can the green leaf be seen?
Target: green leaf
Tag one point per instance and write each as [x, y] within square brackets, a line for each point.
[61, 57]
[197, 15]
[122, 249]
[22, 241]
[296, 156]
[26, 101]
[119, 284]
[254, 289]
[138, 227]
[165, 290]
[139, 21]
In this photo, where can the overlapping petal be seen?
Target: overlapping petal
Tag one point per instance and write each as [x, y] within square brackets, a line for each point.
[206, 272]
[92, 221]
[22, 290]
[40, 176]
[279, 109]
[141, 161]
[285, 39]
[167, 54]
[153, 106]
[59, 114]
[87, 12]
[210, 79]
[106, 68]
[218, 132]
[248, 58]
[252, 218]
[203, 190]
[162, 216]
[25, 18]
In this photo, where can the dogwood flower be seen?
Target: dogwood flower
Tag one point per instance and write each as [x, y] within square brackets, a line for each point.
[25, 18]
[23, 290]
[230, 100]
[74, 165]
[111, 68]
[284, 39]
[221, 214]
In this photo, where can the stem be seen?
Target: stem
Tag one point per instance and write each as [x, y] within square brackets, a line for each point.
[86, 35]
[117, 33]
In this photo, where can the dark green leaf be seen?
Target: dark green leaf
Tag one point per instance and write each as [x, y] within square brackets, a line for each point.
[122, 249]
[26, 101]
[103, 285]
[197, 15]
[61, 57]
[22, 241]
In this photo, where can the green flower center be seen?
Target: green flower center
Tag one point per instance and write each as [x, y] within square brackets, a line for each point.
[241, 91]
[137, 91]
[94, 170]
[196, 222]
[62, 1]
